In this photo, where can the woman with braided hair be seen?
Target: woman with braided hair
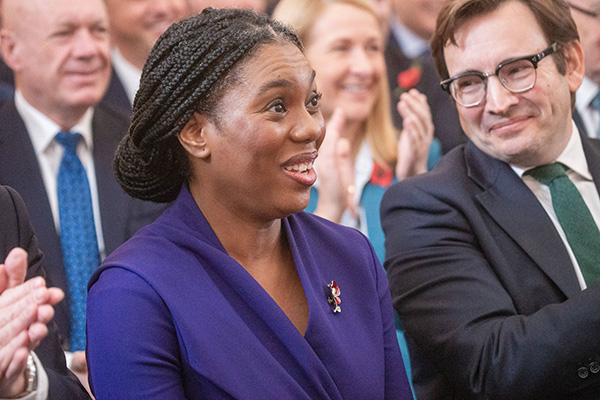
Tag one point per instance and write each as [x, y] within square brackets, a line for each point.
[234, 292]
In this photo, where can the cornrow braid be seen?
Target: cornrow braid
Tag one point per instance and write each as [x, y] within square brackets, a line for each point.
[185, 72]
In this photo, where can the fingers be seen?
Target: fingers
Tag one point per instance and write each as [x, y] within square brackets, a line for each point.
[333, 131]
[17, 363]
[335, 125]
[16, 267]
[24, 306]
[55, 295]
[14, 301]
[416, 136]
[36, 332]
[416, 114]
[12, 377]
[13, 356]
[3, 278]
[334, 156]
[25, 309]
[345, 167]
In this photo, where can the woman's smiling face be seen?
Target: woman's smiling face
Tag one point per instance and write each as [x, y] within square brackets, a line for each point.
[345, 47]
[264, 136]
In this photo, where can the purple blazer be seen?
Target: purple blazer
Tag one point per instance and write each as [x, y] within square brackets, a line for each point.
[172, 316]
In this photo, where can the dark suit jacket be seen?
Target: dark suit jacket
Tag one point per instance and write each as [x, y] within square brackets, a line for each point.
[443, 110]
[115, 95]
[121, 215]
[16, 231]
[579, 123]
[7, 81]
[485, 286]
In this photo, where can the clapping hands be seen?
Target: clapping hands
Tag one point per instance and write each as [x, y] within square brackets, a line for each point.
[25, 309]
[416, 136]
[335, 170]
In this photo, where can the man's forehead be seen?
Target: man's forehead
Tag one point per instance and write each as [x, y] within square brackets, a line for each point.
[484, 41]
[52, 11]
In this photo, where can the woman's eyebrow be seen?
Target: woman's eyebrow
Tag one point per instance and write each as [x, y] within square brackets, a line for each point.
[280, 83]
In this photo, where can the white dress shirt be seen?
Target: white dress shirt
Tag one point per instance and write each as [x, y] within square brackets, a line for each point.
[128, 74]
[579, 173]
[42, 131]
[590, 117]
[411, 44]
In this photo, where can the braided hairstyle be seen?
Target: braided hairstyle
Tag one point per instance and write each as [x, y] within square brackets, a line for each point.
[188, 70]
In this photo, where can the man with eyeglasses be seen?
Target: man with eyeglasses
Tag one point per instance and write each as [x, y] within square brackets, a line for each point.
[494, 256]
[586, 14]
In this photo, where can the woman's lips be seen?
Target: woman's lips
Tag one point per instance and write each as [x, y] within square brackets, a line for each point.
[300, 168]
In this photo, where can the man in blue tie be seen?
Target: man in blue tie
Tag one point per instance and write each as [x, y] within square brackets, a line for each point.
[494, 256]
[57, 144]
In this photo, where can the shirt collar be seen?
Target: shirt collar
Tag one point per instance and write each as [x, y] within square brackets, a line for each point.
[412, 45]
[128, 74]
[572, 156]
[42, 129]
[585, 94]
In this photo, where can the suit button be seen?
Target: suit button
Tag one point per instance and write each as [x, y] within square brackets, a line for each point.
[583, 372]
[594, 367]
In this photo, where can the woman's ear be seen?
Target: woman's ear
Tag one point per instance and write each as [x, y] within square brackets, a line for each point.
[193, 136]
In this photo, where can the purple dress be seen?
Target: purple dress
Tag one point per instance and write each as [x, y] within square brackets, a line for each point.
[172, 316]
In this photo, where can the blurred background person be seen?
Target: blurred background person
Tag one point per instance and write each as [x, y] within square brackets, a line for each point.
[32, 363]
[135, 25]
[409, 65]
[383, 8]
[196, 6]
[586, 14]
[57, 144]
[213, 299]
[363, 152]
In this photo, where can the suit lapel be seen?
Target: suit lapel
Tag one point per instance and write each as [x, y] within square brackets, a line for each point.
[514, 207]
[579, 123]
[115, 95]
[591, 148]
[109, 128]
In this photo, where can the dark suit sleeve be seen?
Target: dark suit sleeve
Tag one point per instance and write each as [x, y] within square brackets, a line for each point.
[456, 306]
[16, 231]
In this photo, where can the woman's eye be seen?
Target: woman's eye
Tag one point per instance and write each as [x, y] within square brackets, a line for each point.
[277, 107]
[314, 101]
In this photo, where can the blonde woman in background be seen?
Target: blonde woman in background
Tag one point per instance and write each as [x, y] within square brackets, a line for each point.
[362, 153]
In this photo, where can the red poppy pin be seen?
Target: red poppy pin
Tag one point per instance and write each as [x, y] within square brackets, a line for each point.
[381, 176]
[333, 296]
[408, 78]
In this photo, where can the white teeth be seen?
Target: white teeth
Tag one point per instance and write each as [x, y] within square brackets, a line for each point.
[355, 88]
[300, 167]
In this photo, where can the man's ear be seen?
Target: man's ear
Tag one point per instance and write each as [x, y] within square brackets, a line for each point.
[8, 47]
[575, 69]
[193, 136]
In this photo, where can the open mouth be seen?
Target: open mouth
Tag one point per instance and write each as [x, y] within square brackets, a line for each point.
[301, 168]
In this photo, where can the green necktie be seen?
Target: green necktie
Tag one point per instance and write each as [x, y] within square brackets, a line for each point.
[574, 217]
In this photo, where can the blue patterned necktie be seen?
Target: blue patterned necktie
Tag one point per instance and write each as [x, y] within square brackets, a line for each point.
[574, 217]
[596, 106]
[77, 233]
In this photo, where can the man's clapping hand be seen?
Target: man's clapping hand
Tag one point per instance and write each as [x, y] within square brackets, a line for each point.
[25, 309]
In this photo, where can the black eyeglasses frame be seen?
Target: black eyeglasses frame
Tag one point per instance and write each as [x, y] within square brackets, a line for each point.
[534, 59]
